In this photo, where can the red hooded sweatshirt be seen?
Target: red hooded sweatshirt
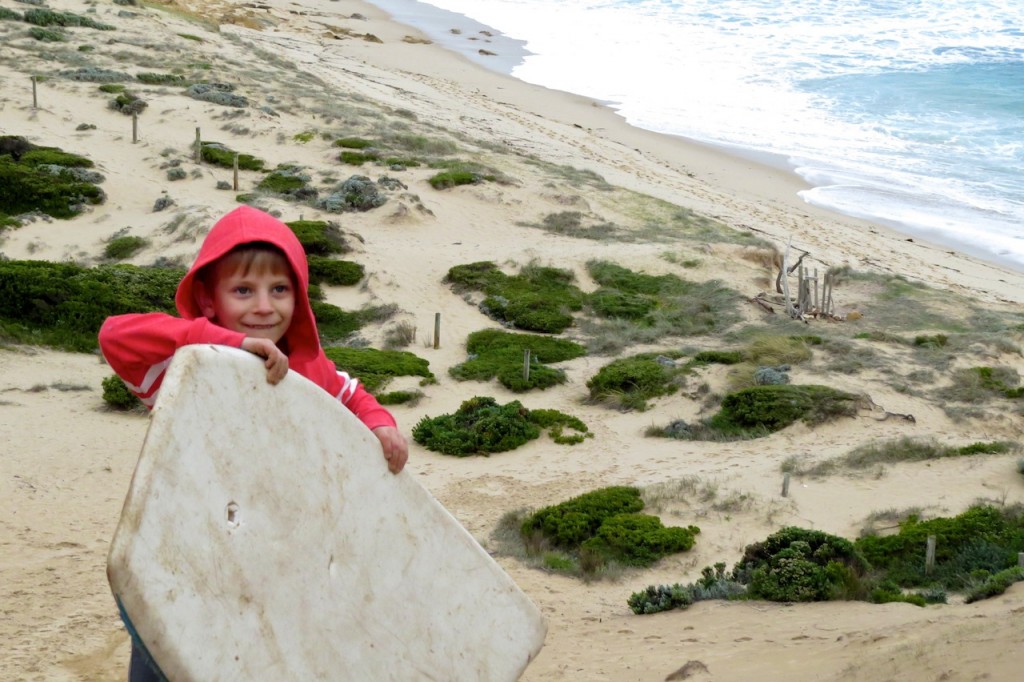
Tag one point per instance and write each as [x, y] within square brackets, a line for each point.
[139, 347]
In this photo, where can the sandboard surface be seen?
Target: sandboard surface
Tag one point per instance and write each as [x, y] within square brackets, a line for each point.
[263, 538]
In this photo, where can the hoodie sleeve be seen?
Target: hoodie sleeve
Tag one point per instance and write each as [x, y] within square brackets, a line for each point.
[352, 395]
[139, 347]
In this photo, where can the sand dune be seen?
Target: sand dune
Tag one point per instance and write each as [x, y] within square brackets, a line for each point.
[310, 67]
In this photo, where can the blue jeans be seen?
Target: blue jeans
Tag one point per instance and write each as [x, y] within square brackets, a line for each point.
[140, 670]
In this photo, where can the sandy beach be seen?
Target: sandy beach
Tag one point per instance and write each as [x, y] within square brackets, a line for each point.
[344, 68]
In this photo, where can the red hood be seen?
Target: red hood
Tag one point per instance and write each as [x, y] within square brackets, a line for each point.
[243, 226]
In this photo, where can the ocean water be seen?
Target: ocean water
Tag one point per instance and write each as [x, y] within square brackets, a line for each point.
[909, 113]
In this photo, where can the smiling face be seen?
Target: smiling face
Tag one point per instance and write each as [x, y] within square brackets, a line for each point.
[250, 290]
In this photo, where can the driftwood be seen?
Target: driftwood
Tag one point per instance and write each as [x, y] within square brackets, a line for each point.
[813, 296]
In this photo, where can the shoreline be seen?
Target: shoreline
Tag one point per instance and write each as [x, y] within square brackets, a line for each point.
[708, 177]
[435, 23]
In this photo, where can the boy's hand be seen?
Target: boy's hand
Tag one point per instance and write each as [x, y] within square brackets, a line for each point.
[396, 449]
[276, 361]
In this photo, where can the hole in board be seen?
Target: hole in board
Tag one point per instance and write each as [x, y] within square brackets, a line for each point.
[232, 513]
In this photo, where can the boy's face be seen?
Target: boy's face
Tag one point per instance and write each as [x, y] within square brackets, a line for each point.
[259, 303]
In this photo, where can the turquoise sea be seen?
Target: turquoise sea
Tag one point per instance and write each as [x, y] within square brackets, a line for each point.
[909, 113]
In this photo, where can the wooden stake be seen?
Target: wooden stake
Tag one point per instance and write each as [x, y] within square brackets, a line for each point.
[35, 102]
[235, 167]
[785, 485]
[135, 127]
[199, 146]
[437, 330]
[929, 557]
[526, 365]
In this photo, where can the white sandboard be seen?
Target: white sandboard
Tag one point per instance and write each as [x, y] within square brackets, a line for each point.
[263, 538]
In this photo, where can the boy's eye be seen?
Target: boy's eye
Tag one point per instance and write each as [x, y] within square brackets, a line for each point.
[242, 290]
[281, 289]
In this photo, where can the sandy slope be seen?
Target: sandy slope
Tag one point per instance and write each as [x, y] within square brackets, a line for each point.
[66, 462]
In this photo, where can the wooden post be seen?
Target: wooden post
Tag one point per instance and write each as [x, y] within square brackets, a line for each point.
[199, 146]
[235, 167]
[526, 365]
[816, 302]
[35, 102]
[437, 330]
[790, 310]
[801, 290]
[135, 127]
[929, 557]
[1020, 559]
[785, 485]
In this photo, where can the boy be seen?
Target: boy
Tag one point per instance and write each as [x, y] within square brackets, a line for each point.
[247, 289]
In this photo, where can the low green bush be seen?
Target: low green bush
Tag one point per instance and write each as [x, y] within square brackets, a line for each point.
[602, 527]
[319, 237]
[353, 143]
[982, 538]
[720, 357]
[796, 564]
[995, 585]
[496, 353]
[448, 179]
[161, 79]
[713, 584]
[375, 368]
[632, 382]
[569, 524]
[480, 426]
[43, 16]
[123, 247]
[335, 272]
[117, 395]
[47, 35]
[358, 158]
[220, 155]
[539, 298]
[63, 305]
[774, 407]
[333, 323]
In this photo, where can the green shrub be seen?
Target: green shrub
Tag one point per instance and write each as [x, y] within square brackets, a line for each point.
[48, 17]
[796, 564]
[26, 187]
[995, 585]
[496, 353]
[287, 181]
[333, 323]
[357, 158]
[117, 395]
[63, 304]
[721, 357]
[980, 539]
[638, 539]
[539, 298]
[123, 247]
[604, 526]
[111, 88]
[161, 79]
[399, 397]
[775, 407]
[220, 155]
[713, 584]
[46, 35]
[335, 272]
[631, 382]
[319, 237]
[353, 143]
[375, 368]
[9, 14]
[568, 524]
[128, 103]
[556, 422]
[447, 179]
[479, 426]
